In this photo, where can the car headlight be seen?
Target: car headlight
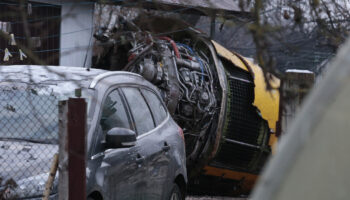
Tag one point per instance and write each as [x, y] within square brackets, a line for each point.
[33, 186]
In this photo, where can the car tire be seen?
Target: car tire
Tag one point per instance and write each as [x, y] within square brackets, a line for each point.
[176, 193]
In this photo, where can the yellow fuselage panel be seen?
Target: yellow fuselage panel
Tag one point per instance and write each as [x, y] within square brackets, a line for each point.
[229, 55]
[267, 101]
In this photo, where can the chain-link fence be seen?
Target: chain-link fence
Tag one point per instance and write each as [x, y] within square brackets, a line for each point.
[28, 140]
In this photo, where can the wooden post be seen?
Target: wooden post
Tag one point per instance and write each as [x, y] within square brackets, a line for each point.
[51, 178]
[72, 167]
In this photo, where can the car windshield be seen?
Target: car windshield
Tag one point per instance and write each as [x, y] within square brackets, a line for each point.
[30, 113]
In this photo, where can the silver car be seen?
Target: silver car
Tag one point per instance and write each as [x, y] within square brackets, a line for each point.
[135, 150]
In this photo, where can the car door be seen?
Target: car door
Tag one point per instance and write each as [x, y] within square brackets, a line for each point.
[116, 166]
[149, 146]
[159, 165]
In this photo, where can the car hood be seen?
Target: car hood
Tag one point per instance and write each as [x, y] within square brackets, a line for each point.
[21, 160]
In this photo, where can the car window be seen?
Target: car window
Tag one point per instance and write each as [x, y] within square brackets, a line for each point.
[157, 108]
[114, 113]
[140, 110]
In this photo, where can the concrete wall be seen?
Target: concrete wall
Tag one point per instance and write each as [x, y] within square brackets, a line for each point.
[76, 34]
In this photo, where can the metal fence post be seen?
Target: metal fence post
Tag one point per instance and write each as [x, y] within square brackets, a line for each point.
[63, 151]
[72, 148]
[295, 86]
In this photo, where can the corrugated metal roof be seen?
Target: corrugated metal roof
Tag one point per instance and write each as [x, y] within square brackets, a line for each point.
[229, 5]
[225, 8]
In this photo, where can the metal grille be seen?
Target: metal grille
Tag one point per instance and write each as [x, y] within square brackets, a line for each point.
[246, 132]
[235, 156]
[28, 140]
[243, 121]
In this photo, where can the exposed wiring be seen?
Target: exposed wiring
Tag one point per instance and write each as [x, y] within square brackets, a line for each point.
[140, 55]
[195, 55]
[176, 50]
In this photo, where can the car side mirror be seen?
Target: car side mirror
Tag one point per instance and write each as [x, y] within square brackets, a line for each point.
[120, 137]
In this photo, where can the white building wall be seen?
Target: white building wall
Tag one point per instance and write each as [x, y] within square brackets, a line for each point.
[76, 31]
[76, 34]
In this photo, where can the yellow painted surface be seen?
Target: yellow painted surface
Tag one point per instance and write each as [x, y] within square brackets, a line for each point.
[249, 179]
[267, 101]
[229, 55]
[273, 143]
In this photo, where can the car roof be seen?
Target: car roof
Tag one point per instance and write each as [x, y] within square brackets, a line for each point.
[64, 77]
[38, 74]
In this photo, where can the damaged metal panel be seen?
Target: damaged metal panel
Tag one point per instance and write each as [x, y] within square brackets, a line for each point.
[218, 97]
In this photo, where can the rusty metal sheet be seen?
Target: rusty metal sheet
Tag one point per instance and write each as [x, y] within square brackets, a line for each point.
[76, 148]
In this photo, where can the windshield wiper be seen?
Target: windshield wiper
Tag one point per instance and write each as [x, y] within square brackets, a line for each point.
[50, 141]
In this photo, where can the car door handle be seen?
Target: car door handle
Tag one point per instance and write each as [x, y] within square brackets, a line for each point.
[166, 147]
[139, 159]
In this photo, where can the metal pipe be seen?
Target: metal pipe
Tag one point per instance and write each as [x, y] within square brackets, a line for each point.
[140, 55]
[242, 143]
[189, 64]
[198, 59]
[176, 50]
[178, 78]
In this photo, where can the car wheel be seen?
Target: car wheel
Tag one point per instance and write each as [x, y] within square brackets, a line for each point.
[176, 193]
